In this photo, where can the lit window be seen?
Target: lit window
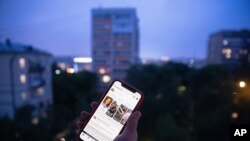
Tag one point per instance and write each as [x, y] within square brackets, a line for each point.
[40, 91]
[23, 78]
[227, 53]
[23, 96]
[225, 42]
[102, 71]
[22, 62]
[106, 78]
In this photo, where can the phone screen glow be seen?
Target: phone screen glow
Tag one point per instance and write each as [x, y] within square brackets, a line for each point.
[111, 115]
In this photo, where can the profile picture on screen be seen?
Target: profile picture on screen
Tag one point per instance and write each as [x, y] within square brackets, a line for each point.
[107, 101]
[112, 109]
[126, 116]
[120, 112]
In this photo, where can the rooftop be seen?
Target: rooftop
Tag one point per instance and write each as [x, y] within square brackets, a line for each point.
[233, 33]
[9, 47]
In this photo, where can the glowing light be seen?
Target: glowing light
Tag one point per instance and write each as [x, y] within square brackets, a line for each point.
[35, 120]
[82, 60]
[40, 91]
[106, 78]
[242, 84]
[181, 89]
[227, 52]
[102, 71]
[234, 115]
[70, 70]
[22, 62]
[22, 78]
[235, 93]
[62, 139]
[57, 71]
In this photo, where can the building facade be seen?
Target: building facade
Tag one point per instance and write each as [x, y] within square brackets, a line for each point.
[229, 47]
[25, 79]
[115, 42]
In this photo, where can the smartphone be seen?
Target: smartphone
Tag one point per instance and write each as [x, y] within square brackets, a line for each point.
[112, 112]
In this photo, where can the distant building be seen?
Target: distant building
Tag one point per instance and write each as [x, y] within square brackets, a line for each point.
[229, 47]
[74, 64]
[191, 62]
[115, 42]
[25, 78]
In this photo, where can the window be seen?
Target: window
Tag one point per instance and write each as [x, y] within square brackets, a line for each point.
[21, 62]
[102, 16]
[101, 52]
[124, 62]
[227, 52]
[122, 52]
[98, 26]
[243, 51]
[23, 96]
[22, 78]
[101, 43]
[122, 44]
[122, 16]
[97, 61]
[40, 91]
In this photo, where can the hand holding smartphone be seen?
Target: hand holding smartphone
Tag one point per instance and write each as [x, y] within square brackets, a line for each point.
[112, 112]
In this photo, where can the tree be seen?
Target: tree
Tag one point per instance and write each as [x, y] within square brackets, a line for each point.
[71, 94]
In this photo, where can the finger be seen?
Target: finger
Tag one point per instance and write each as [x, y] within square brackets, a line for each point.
[132, 123]
[93, 105]
[84, 115]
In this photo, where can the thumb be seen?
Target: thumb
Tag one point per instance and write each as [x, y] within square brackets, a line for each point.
[132, 123]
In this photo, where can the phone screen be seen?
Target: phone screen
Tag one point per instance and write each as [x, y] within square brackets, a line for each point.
[111, 115]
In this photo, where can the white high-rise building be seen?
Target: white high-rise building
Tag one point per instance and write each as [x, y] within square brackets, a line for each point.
[115, 42]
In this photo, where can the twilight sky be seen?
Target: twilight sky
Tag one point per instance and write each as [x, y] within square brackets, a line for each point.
[174, 28]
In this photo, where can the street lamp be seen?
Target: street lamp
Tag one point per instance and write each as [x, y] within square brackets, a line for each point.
[242, 84]
[234, 115]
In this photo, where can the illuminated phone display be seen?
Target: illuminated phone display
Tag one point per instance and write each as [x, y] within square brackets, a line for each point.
[111, 114]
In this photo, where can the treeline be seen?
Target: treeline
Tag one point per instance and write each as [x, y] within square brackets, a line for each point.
[187, 104]
[181, 104]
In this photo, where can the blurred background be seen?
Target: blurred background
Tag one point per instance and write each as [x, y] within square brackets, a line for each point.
[191, 59]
